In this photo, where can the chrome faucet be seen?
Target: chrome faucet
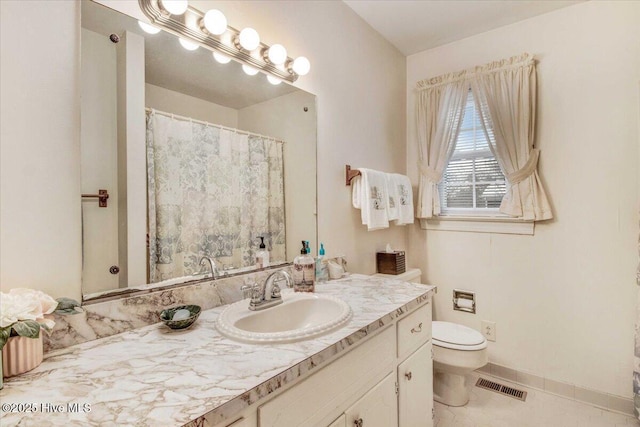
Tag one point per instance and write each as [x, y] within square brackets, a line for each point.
[212, 266]
[268, 295]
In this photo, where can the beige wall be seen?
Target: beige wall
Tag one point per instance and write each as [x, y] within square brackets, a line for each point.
[40, 245]
[284, 118]
[132, 161]
[564, 300]
[359, 79]
[178, 103]
[99, 161]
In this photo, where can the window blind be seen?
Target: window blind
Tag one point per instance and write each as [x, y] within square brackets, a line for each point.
[472, 183]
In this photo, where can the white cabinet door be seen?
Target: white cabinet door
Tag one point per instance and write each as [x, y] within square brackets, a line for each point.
[377, 408]
[415, 380]
[340, 422]
[239, 423]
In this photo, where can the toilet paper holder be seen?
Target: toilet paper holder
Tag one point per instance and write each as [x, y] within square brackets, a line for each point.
[464, 301]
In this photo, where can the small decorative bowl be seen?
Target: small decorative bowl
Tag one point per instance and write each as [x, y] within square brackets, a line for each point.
[167, 316]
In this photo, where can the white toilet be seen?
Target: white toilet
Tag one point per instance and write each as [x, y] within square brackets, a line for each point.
[457, 350]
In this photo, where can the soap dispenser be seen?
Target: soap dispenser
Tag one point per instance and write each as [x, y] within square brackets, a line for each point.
[304, 271]
[322, 273]
[262, 256]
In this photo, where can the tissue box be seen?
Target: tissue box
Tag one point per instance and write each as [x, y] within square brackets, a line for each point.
[391, 262]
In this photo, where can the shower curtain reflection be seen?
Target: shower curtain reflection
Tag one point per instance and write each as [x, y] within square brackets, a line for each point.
[212, 191]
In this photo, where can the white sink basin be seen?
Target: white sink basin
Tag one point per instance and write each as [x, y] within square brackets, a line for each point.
[301, 316]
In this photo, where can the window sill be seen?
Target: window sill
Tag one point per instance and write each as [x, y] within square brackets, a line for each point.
[479, 225]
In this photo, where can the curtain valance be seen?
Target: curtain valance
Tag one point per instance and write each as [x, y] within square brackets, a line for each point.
[517, 61]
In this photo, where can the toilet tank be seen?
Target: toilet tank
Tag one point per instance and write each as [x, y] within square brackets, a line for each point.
[411, 275]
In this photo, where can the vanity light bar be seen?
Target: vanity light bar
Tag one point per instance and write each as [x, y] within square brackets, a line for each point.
[190, 25]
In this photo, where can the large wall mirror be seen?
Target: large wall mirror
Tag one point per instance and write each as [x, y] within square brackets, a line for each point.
[199, 160]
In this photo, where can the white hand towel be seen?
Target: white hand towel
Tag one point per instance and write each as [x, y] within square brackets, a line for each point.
[405, 199]
[358, 197]
[374, 199]
[356, 191]
[392, 189]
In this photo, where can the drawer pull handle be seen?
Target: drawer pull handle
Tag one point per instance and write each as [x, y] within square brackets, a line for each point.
[408, 375]
[358, 423]
[417, 330]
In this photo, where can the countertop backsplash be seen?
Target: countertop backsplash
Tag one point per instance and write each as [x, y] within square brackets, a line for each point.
[103, 319]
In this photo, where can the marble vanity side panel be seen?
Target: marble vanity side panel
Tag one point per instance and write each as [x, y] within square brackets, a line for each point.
[112, 317]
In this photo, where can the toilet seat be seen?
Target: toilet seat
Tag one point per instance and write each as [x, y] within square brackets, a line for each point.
[457, 337]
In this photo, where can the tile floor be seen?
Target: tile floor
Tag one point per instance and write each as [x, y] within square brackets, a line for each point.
[490, 409]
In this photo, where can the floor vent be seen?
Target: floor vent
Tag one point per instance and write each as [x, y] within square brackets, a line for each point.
[502, 389]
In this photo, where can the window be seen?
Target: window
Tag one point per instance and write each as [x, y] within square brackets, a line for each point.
[472, 184]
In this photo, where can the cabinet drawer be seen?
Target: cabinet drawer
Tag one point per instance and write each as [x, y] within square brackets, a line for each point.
[414, 330]
[325, 394]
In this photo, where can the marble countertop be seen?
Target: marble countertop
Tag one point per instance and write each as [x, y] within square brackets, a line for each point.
[153, 376]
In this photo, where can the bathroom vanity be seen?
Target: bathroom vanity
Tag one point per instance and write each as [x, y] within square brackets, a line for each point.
[374, 371]
[384, 381]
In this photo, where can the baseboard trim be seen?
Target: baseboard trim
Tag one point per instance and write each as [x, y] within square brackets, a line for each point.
[597, 398]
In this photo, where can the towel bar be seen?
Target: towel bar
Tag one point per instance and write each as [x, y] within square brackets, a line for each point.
[350, 174]
[102, 197]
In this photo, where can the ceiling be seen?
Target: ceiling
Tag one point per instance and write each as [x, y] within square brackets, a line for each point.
[416, 25]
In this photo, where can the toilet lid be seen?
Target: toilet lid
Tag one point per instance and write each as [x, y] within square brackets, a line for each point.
[452, 333]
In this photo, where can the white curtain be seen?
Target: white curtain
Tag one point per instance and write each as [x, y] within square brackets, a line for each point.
[505, 95]
[439, 110]
[211, 191]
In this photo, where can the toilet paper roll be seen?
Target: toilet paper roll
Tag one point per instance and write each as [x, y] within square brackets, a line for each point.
[464, 303]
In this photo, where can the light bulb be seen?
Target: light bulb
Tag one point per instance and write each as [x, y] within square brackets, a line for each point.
[188, 44]
[249, 39]
[301, 66]
[226, 38]
[223, 59]
[249, 70]
[277, 54]
[147, 28]
[215, 22]
[274, 80]
[175, 7]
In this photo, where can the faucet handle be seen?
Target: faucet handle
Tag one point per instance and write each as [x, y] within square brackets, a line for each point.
[256, 295]
[247, 290]
[275, 291]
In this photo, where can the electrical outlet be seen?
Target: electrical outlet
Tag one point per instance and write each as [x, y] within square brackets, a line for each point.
[489, 330]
